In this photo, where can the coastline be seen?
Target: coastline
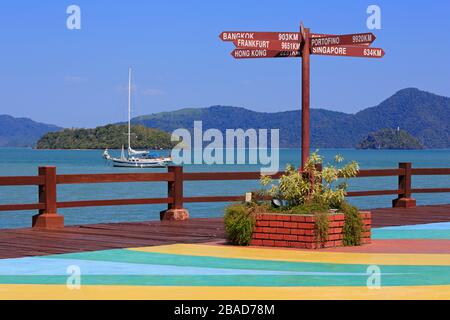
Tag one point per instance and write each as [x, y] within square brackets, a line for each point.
[284, 148]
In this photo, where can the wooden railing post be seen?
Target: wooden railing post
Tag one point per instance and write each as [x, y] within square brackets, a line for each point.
[405, 199]
[175, 210]
[48, 218]
[175, 188]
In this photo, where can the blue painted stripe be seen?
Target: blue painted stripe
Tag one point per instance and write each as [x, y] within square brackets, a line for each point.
[45, 266]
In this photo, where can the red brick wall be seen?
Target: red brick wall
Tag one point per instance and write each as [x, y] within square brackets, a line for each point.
[295, 231]
[367, 233]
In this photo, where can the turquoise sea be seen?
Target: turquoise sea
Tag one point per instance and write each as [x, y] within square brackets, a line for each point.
[14, 162]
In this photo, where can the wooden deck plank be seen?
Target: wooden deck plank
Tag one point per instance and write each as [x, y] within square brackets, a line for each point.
[17, 243]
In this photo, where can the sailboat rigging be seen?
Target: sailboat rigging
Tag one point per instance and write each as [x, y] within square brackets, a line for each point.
[134, 158]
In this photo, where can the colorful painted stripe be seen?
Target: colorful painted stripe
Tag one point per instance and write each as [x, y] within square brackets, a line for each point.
[140, 267]
[215, 272]
[425, 231]
[301, 256]
[61, 292]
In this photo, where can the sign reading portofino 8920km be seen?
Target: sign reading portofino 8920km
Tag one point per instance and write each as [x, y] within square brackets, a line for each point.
[257, 44]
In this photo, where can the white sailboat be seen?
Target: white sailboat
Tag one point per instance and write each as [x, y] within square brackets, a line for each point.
[136, 159]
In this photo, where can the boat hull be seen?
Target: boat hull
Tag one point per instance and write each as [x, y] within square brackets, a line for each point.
[139, 164]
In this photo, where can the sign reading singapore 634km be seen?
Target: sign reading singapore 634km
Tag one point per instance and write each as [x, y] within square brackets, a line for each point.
[254, 45]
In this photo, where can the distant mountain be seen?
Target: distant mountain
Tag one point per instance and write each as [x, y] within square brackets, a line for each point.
[390, 139]
[22, 132]
[424, 115]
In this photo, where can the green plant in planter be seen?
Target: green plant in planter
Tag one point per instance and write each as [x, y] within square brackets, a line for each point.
[327, 186]
[239, 224]
[308, 192]
[314, 191]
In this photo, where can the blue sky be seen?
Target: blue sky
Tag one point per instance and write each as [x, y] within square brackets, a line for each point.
[77, 78]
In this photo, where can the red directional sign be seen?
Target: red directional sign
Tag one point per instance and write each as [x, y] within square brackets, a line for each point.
[275, 36]
[251, 35]
[343, 40]
[348, 51]
[317, 40]
[320, 35]
[262, 53]
[267, 44]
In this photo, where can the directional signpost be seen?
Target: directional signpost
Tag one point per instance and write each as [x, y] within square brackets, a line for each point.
[254, 44]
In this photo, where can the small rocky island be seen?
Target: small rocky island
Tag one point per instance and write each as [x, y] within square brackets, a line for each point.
[110, 136]
[390, 139]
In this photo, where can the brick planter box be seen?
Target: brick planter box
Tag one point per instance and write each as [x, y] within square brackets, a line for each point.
[298, 231]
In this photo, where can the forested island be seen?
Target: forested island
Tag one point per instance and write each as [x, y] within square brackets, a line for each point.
[390, 139]
[110, 136]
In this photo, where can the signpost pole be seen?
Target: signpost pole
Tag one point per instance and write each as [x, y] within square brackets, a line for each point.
[305, 97]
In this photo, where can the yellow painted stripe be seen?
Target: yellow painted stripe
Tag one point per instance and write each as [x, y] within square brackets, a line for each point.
[301, 256]
[61, 292]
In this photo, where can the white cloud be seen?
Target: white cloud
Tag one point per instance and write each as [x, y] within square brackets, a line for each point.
[70, 79]
[150, 92]
[124, 88]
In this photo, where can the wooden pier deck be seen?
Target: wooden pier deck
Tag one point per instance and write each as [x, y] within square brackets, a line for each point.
[16, 243]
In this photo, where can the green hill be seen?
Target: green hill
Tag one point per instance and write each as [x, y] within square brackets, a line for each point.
[390, 139]
[424, 115]
[22, 132]
[110, 136]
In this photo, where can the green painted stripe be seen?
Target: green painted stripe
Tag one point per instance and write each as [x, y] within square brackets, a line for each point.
[415, 275]
[380, 234]
[128, 256]
[234, 281]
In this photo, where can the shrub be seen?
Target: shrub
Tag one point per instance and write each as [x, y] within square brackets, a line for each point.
[315, 192]
[321, 227]
[316, 205]
[308, 192]
[353, 226]
[327, 186]
[239, 224]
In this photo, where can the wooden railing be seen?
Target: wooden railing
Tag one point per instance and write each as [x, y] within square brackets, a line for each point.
[48, 205]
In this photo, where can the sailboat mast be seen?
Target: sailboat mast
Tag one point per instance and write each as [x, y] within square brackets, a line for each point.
[129, 108]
